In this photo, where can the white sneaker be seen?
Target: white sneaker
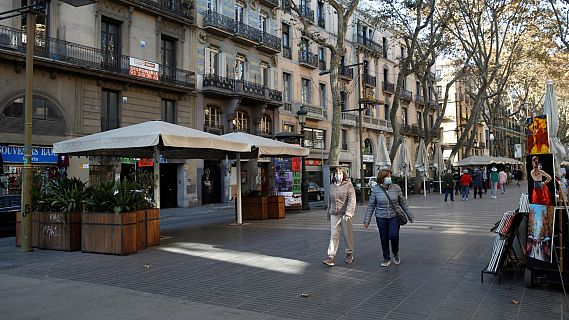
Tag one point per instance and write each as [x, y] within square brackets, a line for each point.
[386, 263]
[396, 259]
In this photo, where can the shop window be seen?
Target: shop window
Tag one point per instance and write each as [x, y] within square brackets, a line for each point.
[46, 115]
[314, 138]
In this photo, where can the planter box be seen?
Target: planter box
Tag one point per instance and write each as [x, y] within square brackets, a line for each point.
[140, 229]
[59, 231]
[276, 207]
[255, 208]
[105, 232]
[152, 224]
[35, 229]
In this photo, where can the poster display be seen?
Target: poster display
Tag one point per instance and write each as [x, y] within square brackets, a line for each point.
[288, 178]
[540, 231]
[538, 140]
[541, 186]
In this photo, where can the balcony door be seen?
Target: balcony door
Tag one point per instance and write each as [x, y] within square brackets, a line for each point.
[111, 44]
[168, 53]
[239, 14]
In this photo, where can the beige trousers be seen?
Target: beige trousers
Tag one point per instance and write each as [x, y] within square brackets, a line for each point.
[337, 223]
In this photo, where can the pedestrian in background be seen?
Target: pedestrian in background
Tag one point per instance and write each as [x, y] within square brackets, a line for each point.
[477, 182]
[341, 207]
[485, 180]
[465, 182]
[456, 178]
[503, 180]
[519, 176]
[382, 196]
[448, 184]
[494, 178]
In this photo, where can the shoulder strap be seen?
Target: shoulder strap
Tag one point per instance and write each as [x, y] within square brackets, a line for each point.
[387, 195]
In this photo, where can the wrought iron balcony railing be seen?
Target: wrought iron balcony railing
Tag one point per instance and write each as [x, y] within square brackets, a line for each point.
[270, 3]
[419, 99]
[287, 106]
[370, 80]
[388, 87]
[275, 95]
[85, 57]
[287, 52]
[180, 8]
[305, 57]
[346, 72]
[271, 41]
[406, 95]
[248, 32]
[213, 80]
[307, 13]
[243, 86]
[369, 44]
[218, 21]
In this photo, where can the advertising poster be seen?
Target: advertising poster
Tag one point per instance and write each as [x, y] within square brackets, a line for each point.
[288, 180]
[541, 186]
[540, 231]
[538, 140]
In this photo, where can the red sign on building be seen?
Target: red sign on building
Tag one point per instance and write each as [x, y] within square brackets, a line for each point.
[296, 164]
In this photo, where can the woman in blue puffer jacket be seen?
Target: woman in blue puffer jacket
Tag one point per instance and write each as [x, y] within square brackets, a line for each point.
[385, 215]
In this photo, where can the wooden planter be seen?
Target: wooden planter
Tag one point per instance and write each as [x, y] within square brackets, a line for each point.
[152, 223]
[276, 207]
[35, 229]
[255, 208]
[140, 229]
[59, 231]
[105, 232]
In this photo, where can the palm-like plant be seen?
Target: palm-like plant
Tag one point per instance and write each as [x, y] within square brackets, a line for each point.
[69, 195]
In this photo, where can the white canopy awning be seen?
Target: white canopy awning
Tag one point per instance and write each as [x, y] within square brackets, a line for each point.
[139, 140]
[267, 147]
[484, 161]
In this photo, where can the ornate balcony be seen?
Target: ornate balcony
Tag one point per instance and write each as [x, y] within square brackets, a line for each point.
[307, 59]
[349, 119]
[346, 73]
[372, 123]
[218, 23]
[412, 130]
[307, 13]
[270, 3]
[64, 54]
[275, 96]
[251, 89]
[419, 99]
[247, 35]
[406, 95]
[370, 81]
[388, 87]
[218, 85]
[369, 44]
[287, 52]
[177, 9]
[270, 43]
[312, 112]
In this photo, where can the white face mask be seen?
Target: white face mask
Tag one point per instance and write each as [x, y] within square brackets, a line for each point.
[387, 181]
[339, 177]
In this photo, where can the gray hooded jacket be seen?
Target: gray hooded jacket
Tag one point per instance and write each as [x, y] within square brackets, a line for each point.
[379, 204]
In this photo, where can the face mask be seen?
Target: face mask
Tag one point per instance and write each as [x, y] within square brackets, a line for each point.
[387, 181]
[339, 177]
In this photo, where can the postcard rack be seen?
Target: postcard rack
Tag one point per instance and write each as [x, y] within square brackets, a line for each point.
[503, 254]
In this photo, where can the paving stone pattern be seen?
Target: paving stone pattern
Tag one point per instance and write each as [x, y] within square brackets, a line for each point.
[265, 266]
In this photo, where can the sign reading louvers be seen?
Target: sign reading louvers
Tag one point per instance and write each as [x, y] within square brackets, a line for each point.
[143, 69]
[15, 154]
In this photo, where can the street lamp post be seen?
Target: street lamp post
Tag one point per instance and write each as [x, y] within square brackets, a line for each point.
[301, 113]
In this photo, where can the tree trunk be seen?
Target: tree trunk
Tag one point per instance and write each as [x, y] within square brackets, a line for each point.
[333, 159]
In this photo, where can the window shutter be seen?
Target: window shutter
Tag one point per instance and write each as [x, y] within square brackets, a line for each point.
[207, 66]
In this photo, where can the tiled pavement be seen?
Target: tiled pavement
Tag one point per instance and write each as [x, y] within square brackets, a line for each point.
[206, 269]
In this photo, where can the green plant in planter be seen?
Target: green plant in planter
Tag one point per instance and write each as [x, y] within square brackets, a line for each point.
[103, 197]
[69, 195]
[126, 197]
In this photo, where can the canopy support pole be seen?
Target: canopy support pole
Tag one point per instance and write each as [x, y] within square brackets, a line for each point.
[157, 177]
[424, 187]
[405, 186]
[238, 198]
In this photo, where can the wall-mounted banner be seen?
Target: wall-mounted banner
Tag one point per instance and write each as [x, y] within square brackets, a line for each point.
[15, 154]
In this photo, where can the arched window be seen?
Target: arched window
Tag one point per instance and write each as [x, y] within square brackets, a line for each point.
[266, 125]
[368, 146]
[47, 119]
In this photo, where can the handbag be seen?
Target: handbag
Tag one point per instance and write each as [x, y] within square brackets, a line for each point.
[402, 217]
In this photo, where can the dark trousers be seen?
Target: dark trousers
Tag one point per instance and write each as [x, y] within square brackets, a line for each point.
[450, 191]
[485, 186]
[477, 189]
[388, 232]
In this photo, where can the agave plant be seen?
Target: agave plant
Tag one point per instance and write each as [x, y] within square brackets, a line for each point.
[126, 198]
[69, 195]
[103, 197]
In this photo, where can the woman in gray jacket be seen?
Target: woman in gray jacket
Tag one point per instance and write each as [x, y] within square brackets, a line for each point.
[385, 215]
[341, 206]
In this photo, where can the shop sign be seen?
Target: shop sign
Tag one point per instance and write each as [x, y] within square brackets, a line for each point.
[368, 158]
[313, 162]
[145, 162]
[15, 154]
[518, 150]
[143, 69]
[296, 164]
